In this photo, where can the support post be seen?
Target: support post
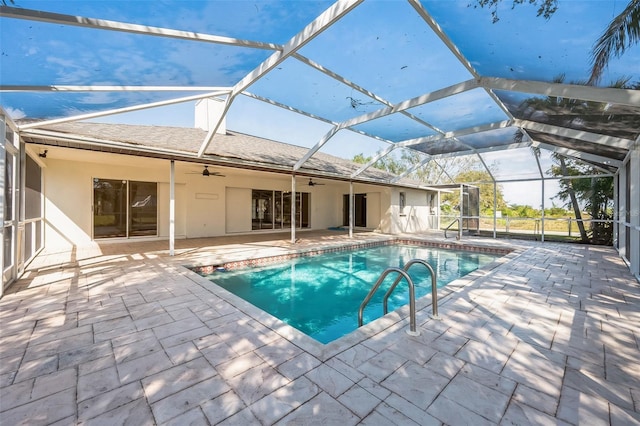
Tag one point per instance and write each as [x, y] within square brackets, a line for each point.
[172, 208]
[461, 210]
[542, 230]
[350, 209]
[293, 208]
[438, 212]
[495, 208]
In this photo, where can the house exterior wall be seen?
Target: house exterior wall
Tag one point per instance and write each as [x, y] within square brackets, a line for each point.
[416, 216]
[374, 210]
[238, 219]
[68, 189]
[205, 206]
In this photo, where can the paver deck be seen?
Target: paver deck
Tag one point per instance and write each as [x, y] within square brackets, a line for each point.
[124, 334]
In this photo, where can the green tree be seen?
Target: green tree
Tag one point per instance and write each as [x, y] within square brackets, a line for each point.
[519, 210]
[546, 8]
[486, 191]
[595, 194]
[428, 174]
[622, 33]
[573, 190]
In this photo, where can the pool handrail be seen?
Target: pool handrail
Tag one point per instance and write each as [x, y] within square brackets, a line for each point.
[459, 231]
[434, 287]
[412, 298]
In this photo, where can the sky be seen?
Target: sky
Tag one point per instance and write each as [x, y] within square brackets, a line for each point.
[382, 46]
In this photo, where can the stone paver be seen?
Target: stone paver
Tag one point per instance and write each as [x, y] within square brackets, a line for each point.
[123, 334]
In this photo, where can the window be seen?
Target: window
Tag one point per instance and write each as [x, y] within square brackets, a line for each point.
[124, 208]
[403, 202]
[272, 209]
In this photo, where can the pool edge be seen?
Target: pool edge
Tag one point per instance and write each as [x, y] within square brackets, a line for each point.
[392, 321]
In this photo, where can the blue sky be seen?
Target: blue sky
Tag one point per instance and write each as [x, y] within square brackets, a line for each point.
[382, 46]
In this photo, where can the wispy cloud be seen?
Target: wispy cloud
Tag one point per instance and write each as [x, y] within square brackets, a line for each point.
[15, 114]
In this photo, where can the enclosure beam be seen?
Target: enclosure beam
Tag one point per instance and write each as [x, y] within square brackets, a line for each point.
[449, 135]
[401, 107]
[413, 102]
[390, 109]
[103, 24]
[373, 160]
[483, 150]
[579, 154]
[76, 88]
[121, 110]
[341, 79]
[576, 134]
[604, 95]
[312, 30]
[287, 107]
[435, 27]
[411, 170]
[316, 147]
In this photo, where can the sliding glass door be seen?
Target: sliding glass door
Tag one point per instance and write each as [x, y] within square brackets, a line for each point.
[272, 209]
[262, 209]
[124, 208]
[143, 209]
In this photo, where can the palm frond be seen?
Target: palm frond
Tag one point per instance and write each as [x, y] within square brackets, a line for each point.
[622, 32]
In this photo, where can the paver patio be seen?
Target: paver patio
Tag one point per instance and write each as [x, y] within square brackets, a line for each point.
[124, 334]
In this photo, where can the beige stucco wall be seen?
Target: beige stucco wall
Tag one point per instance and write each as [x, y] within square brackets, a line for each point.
[68, 190]
[417, 215]
[205, 206]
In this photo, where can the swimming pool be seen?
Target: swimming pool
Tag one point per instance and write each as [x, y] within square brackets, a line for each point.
[320, 295]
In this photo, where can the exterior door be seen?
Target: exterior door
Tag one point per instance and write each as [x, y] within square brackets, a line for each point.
[360, 210]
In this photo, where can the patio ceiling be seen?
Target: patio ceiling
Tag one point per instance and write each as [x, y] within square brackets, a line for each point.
[435, 78]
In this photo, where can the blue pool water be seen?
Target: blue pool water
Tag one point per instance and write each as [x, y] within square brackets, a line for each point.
[320, 295]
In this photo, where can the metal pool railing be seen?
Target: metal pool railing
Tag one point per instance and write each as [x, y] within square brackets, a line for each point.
[412, 297]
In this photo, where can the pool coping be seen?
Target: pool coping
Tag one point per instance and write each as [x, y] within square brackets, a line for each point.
[266, 260]
[388, 323]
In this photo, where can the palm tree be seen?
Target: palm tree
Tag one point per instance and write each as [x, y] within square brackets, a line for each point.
[622, 33]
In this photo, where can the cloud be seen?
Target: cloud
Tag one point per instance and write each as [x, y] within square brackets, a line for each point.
[15, 113]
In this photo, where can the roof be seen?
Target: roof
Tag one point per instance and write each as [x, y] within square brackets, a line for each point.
[231, 149]
[430, 78]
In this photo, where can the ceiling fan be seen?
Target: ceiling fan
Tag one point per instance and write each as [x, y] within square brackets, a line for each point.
[206, 172]
[312, 183]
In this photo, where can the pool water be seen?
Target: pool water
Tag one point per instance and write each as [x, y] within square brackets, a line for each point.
[320, 295]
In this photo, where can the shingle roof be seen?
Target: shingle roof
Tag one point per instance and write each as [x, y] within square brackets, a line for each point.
[230, 146]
